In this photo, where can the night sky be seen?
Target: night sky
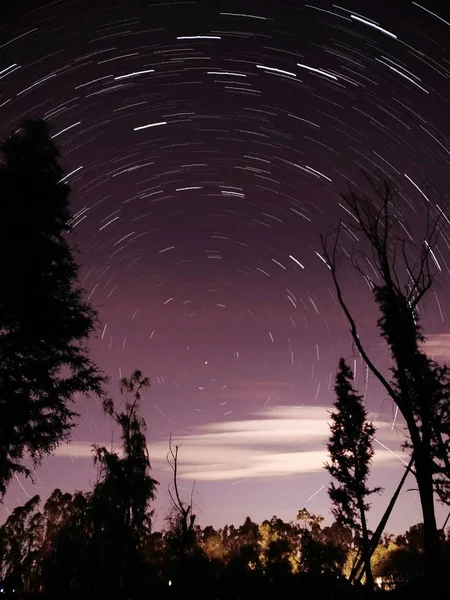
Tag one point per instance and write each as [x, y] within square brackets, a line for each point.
[206, 144]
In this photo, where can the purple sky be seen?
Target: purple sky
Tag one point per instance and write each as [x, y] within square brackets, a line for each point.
[206, 149]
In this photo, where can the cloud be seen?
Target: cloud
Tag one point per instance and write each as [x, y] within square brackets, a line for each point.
[438, 345]
[277, 441]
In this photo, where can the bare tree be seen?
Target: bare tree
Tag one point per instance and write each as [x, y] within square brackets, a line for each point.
[184, 515]
[400, 271]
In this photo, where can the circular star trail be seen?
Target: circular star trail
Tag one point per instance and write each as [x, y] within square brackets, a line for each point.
[206, 147]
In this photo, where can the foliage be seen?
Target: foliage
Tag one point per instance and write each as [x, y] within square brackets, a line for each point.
[52, 549]
[124, 482]
[422, 387]
[68, 562]
[351, 452]
[120, 502]
[20, 541]
[309, 519]
[402, 270]
[44, 320]
[213, 545]
[94, 542]
[278, 544]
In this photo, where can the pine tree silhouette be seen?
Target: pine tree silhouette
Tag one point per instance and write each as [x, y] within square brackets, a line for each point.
[350, 449]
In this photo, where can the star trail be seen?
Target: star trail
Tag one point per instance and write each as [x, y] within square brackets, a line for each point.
[206, 145]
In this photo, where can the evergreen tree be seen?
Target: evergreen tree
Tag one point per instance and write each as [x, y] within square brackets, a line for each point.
[350, 450]
[44, 319]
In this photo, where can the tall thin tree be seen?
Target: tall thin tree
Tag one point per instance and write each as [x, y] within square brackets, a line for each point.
[182, 514]
[351, 452]
[122, 496]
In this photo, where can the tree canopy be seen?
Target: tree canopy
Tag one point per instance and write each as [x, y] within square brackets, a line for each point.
[45, 322]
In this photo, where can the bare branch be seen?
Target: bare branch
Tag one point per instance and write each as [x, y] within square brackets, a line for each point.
[331, 260]
[184, 510]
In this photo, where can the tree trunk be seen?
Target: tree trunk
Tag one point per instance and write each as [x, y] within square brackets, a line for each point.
[356, 572]
[367, 567]
[365, 552]
[432, 547]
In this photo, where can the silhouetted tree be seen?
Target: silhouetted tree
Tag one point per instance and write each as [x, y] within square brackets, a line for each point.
[57, 553]
[98, 546]
[322, 551]
[310, 521]
[405, 557]
[400, 271]
[339, 534]
[44, 319]
[185, 555]
[183, 515]
[120, 504]
[57, 510]
[213, 545]
[21, 538]
[69, 557]
[278, 544]
[350, 450]
[320, 556]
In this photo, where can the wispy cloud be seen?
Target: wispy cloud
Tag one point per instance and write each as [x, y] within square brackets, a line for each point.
[437, 345]
[277, 441]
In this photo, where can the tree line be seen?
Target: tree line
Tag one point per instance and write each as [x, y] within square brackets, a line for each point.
[101, 542]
